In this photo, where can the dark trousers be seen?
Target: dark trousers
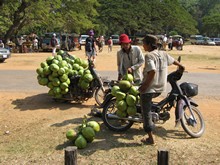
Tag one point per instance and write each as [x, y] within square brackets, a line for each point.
[146, 104]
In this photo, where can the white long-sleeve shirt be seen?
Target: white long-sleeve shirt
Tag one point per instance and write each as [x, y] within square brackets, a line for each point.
[134, 59]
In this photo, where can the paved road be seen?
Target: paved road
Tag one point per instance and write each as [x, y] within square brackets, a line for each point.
[24, 81]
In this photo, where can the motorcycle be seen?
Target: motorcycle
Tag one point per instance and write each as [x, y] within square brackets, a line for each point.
[180, 97]
[96, 88]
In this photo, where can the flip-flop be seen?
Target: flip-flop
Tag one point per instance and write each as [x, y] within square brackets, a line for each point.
[147, 141]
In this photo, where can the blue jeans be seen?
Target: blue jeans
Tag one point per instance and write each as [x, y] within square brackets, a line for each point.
[146, 104]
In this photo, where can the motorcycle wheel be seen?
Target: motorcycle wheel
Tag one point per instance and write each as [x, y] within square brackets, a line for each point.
[111, 120]
[100, 95]
[194, 128]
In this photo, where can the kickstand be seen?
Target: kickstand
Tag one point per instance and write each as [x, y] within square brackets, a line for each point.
[95, 111]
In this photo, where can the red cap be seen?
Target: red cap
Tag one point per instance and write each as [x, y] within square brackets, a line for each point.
[124, 39]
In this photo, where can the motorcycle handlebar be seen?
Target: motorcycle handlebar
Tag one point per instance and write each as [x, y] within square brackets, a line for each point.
[180, 69]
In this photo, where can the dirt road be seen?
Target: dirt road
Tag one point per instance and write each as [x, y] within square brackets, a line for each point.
[33, 126]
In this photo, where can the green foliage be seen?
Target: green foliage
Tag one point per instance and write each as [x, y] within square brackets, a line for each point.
[203, 12]
[211, 22]
[145, 16]
[40, 16]
[109, 16]
[172, 33]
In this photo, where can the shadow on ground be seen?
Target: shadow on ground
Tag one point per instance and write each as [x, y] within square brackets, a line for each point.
[44, 101]
[107, 139]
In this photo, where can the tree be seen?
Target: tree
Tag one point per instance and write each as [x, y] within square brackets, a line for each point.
[211, 22]
[152, 16]
[20, 14]
[79, 16]
[200, 9]
[105, 16]
[25, 16]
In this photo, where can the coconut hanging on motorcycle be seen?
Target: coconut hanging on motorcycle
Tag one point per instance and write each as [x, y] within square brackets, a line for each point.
[116, 118]
[69, 78]
[126, 96]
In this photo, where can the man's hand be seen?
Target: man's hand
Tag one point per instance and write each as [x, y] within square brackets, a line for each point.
[142, 89]
[181, 68]
[130, 70]
[119, 77]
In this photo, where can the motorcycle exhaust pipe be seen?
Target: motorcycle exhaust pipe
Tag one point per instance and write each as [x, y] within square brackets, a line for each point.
[134, 119]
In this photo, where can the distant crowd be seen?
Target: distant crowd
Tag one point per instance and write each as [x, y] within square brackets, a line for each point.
[22, 44]
[33, 43]
[168, 43]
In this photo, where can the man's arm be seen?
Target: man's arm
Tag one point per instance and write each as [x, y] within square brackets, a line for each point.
[95, 46]
[146, 83]
[118, 65]
[181, 67]
[140, 57]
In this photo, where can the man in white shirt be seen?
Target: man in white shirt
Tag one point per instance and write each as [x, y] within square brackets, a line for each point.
[164, 42]
[129, 59]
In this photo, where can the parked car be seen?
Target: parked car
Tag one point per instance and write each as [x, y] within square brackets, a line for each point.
[115, 39]
[4, 54]
[82, 39]
[208, 41]
[196, 39]
[216, 40]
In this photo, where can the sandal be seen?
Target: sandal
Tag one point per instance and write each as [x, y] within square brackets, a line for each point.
[148, 141]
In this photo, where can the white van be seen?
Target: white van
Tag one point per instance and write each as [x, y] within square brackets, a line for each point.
[115, 39]
[82, 39]
[196, 39]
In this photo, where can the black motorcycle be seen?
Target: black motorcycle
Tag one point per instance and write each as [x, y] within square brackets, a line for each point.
[96, 89]
[180, 97]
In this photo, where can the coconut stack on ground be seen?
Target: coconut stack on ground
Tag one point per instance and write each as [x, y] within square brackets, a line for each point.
[84, 134]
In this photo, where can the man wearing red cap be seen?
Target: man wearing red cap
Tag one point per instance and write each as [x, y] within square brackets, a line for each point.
[129, 59]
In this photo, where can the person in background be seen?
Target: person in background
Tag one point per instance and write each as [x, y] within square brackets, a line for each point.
[98, 43]
[35, 45]
[80, 43]
[54, 43]
[32, 36]
[160, 43]
[102, 43]
[10, 44]
[154, 81]
[170, 43]
[20, 44]
[110, 44]
[180, 43]
[165, 42]
[1, 44]
[90, 46]
[129, 59]
[70, 43]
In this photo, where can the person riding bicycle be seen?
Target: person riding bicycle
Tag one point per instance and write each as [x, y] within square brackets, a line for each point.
[154, 81]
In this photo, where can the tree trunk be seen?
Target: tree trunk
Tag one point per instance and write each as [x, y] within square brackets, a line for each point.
[1, 2]
[18, 19]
